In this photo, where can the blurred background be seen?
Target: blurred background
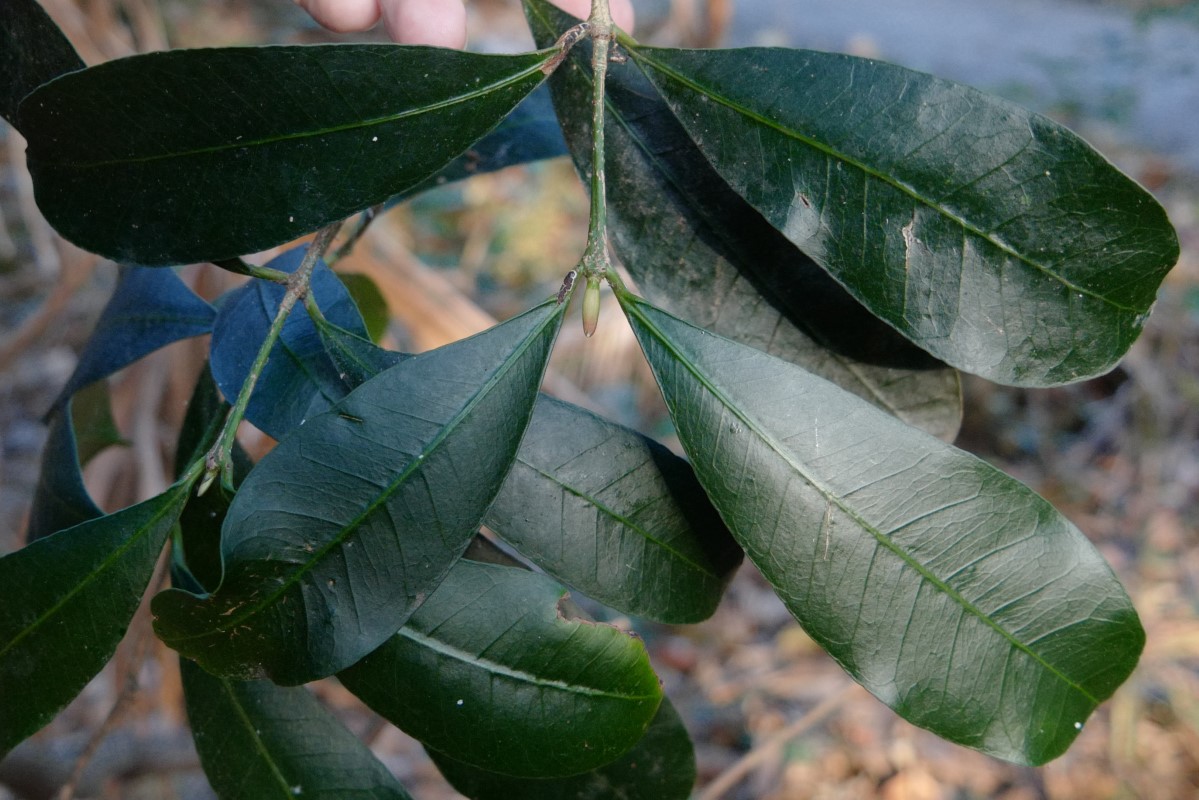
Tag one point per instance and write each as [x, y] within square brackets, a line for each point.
[771, 715]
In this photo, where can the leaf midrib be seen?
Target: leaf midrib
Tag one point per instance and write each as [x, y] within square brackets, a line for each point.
[640, 54]
[443, 648]
[313, 133]
[633, 307]
[260, 747]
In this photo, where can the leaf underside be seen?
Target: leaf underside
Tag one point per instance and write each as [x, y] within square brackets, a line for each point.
[955, 594]
[615, 515]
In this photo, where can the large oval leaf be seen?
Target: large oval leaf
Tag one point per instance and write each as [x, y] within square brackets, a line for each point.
[342, 530]
[261, 741]
[952, 592]
[660, 767]
[615, 515]
[698, 249]
[489, 670]
[202, 155]
[65, 602]
[991, 236]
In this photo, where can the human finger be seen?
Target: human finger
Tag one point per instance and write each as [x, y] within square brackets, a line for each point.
[436, 22]
[622, 11]
[343, 16]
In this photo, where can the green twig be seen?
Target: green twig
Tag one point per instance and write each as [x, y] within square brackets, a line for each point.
[595, 264]
[601, 31]
[240, 267]
[218, 460]
[268, 274]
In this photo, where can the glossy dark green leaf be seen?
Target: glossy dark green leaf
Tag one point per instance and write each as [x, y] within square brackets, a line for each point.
[299, 380]
[259, 741]
[615, 515]
[65, 602]
[32, 51]
[202, 155]
[991, 236]
[341, 531]
[488, 669]
[660, 767]
[60, 499]
[149, 309]
[699, 250]
[954, 593]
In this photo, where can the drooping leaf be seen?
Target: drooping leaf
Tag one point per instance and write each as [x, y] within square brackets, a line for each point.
[369, 301]
[615, 515]
[65, 602]
[989, 235]
[32, 51]
[60, 499]
[299, 380]
[203, 155]
[489, 670]
[530, 133]
[954, 593]
[342, 530]
[258, 740]
[699, 250]
[660, 767]
[149, 309]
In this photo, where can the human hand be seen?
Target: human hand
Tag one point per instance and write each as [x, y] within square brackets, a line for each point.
[435, 22]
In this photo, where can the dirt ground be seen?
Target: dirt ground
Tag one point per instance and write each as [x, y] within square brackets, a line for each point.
[772, 716]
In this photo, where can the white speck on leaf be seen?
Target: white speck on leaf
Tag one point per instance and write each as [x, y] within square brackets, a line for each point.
[459, 703]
